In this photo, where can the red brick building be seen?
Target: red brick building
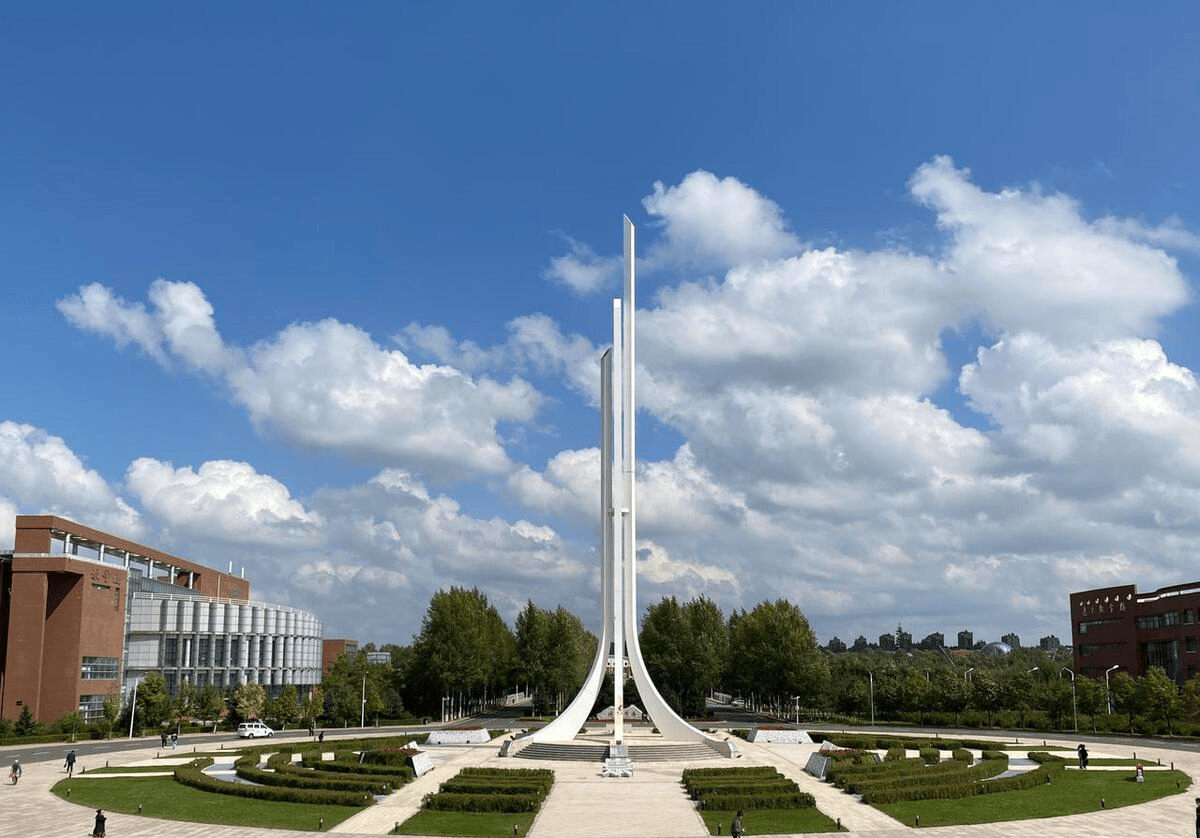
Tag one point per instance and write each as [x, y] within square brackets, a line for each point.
[85, 614]
[1117, 626]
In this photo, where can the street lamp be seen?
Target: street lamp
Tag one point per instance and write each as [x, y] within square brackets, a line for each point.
[1035, 669]
[133, 708]
[968, 672]
[1074, 706]
[362, 719]
[872, 674]
[796, 700]
[1107, 691]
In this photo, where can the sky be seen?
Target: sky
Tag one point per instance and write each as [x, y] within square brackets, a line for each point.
[320, 290]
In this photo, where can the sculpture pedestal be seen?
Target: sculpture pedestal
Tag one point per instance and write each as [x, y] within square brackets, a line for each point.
[617, 763]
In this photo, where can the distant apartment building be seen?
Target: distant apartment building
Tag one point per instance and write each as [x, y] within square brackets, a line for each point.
[85, 616]
[1012, 640]
[966, 640]
[1118, 628]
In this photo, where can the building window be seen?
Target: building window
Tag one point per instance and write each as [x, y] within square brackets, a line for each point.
[1191, 644]
[1171, 618]
[1189, 617]
[219, 651]
[98, 669]
[202, 650]
[91, 707]
[1164, 653]
[170, 651]
[1151, 621]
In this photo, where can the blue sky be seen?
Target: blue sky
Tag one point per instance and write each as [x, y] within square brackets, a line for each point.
[321, 291]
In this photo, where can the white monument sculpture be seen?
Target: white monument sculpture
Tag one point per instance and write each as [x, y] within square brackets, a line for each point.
[619, 647]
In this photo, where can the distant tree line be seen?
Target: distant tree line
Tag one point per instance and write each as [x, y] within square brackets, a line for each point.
[466, 658]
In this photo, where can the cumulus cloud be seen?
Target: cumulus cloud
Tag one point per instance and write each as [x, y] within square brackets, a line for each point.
[42, 475]
[711, 222]
[582, 270]
[327, 384]
[221, 498]
[1030, 261]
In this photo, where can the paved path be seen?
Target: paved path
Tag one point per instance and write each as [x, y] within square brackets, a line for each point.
[584, 804]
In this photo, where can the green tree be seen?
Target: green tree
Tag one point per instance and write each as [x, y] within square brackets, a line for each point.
[250, 698]
[1158, 695]
[154, 705]
[26, 725]
[1125, 698]
[1090, 698]
[464, 647]
[210, 703]
[109, 716]
[312, 706]
[553, 651]
[287, 706]
[774, 653]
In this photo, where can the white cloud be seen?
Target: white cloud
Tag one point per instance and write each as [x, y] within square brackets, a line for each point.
[582, 270]
[1030, 261]
[40, 474]
[221, 499]
[711, 222]
[327, 384]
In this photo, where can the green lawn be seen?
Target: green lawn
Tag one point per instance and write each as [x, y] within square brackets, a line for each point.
[465, 824]
[1071, 793]
[162, 797]
[771, 821]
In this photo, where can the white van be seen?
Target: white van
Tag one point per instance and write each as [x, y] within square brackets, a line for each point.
[249, 730]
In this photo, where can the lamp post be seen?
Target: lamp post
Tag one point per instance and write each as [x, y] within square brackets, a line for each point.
[967, 673]
[133, 708]
[796, 701]
[362, 719]
[872, 676]
[1107, 690]
[1074, 706]
[1035, 669]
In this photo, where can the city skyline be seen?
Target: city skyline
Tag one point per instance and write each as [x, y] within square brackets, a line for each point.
[323, 296]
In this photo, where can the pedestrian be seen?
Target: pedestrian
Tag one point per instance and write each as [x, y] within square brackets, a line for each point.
[70, 764]
[1083, 756]
[98, 829]
[321, 736]
[735, 828]
[163, 738]
[174, 741]
[15, 773]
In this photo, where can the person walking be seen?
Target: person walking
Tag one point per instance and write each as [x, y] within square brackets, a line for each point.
[735, 828]
[1083, 756]
[15, 773]
[98, 829]
[174, 741]
[70, 764]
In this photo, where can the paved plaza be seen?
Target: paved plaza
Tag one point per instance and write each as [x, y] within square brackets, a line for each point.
[584, 804]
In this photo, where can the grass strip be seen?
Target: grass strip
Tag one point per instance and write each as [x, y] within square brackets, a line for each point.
[162, 797]
[1071, 793]
[465, 824]
[770, 821]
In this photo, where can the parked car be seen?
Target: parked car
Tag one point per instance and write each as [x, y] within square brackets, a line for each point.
[251, 730]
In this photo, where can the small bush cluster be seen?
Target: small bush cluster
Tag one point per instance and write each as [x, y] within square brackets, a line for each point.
[754, 788]
[493, 790]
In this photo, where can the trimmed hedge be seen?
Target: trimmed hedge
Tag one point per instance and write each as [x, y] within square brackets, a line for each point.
[756, 788]
[281, 763]
[247, 768]
[193, 775]
[493, 790]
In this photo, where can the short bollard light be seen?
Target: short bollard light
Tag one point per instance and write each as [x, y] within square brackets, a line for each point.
[514, 830]
[321, 825]
[918, 820]
[69, 790]
[1103, 803]
[839, 824]
[718, 827]
[139, 808]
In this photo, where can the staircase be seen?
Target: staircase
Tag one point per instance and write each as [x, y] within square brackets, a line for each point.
[592, 752]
